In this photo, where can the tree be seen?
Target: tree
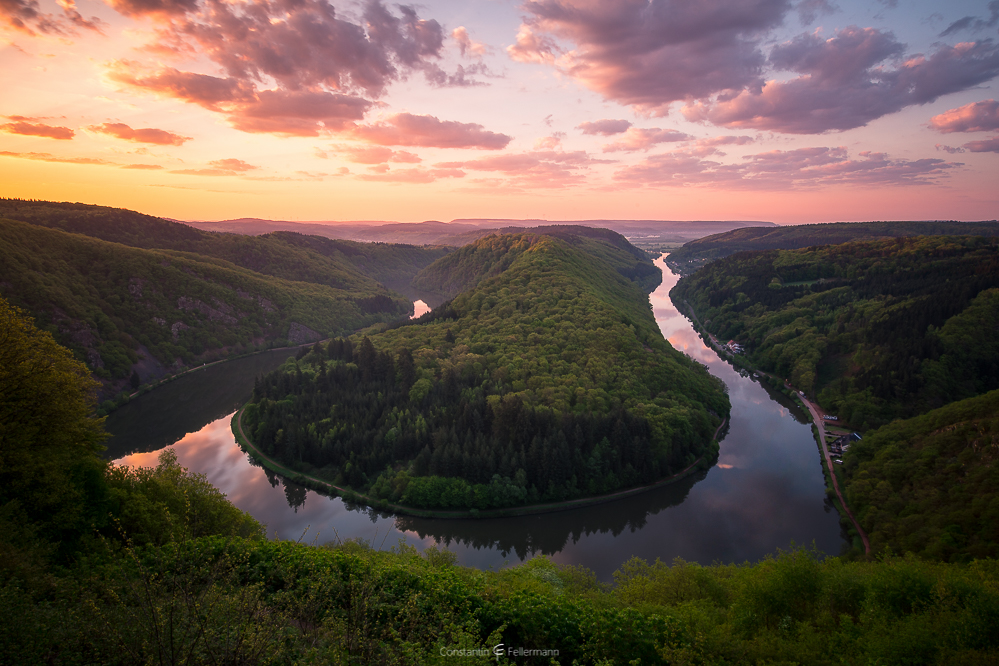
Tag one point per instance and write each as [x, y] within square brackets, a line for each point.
[50, 471]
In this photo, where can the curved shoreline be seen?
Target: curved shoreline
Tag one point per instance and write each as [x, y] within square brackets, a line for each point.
[817, 421]
[244, 441]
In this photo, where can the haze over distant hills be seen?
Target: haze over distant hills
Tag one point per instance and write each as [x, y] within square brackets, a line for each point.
[460, 232]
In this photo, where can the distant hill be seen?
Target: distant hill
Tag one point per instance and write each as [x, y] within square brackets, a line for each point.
[364, 268]
[123, 310]
[696, 253]
[460, 232]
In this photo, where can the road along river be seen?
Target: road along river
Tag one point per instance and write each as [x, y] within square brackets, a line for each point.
[766, 492]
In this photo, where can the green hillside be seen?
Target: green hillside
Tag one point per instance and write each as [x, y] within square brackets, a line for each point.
[875, 330]
[546, 380]
[101, 564]
[696, 253]
[492, 255]
[363, 268]
[112, 304]
[930, 485]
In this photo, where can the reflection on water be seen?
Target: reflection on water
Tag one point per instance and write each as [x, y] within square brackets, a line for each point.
[766, 491]
[419, 308]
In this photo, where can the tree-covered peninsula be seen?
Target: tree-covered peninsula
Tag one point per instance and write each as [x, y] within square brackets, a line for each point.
[544, 379]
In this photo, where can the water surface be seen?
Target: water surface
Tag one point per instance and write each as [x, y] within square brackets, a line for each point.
[765, 493]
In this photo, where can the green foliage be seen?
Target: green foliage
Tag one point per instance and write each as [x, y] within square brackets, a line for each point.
[104, 300]
[877, 330]
[546, 380]
[696, 253]
[50, 473]
[167, 504]
[930, 485]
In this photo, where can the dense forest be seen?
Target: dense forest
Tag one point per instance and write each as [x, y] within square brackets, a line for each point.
[112, 304]
[877, 330]
[881, 331]
[101, 564]
[697, 253]
[177, 295]
[546, 379]
[930, 485]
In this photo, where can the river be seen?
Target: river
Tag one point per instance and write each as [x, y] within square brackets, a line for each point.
[766, 492]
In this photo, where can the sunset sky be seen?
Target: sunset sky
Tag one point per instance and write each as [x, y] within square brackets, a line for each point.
[809, 111]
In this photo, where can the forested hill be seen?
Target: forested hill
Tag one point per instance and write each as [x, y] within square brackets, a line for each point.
[547, 380]
[366, 268]
[491, 256]
[125, 310]
[107, 564]
[696, 253]
[876, 330]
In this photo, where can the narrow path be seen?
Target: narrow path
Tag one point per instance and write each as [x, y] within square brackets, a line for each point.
[488, 513]
[820, 425]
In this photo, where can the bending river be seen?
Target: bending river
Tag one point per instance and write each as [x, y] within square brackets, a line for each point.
[766, 492]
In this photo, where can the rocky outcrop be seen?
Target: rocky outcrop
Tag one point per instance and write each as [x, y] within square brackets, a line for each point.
[299, 334]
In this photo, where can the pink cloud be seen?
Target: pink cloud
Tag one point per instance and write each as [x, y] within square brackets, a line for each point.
[649, 54]
[975, 117]
[29, 127]
[643, 139]
[990, 145]
[324, 69]
[725, 140]
[26, 16]
[48, 157]
[142, 167]
[531, 170]
[466, 45]
[844, 83]
[142, 135]
[376, 155]
[780, 170]
[604, 127]
[225, 167]
[407, 129]
[418, 175]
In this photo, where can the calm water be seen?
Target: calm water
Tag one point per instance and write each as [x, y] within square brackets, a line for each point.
[766, 491]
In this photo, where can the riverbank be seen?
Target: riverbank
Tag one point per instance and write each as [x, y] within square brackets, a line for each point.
[349, 495]
[814, 411]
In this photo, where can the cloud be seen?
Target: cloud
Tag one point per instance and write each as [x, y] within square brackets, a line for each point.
[142, 167]
[651, 53]
[535, 169]
[48, 157]
[418, 175]
[28, 127]
[142, 135]
[844, 82]
[604, 127]
[973, 23]
[725, 140]
[990, 145]
[975, 117]
[643, 139]
[226, 167]
[949, 149]
[781, 170]
[26, 16]
[407, 129]
[809, 10]
[288, 67]
[375, 155]
[288, 113]
[466, 45]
